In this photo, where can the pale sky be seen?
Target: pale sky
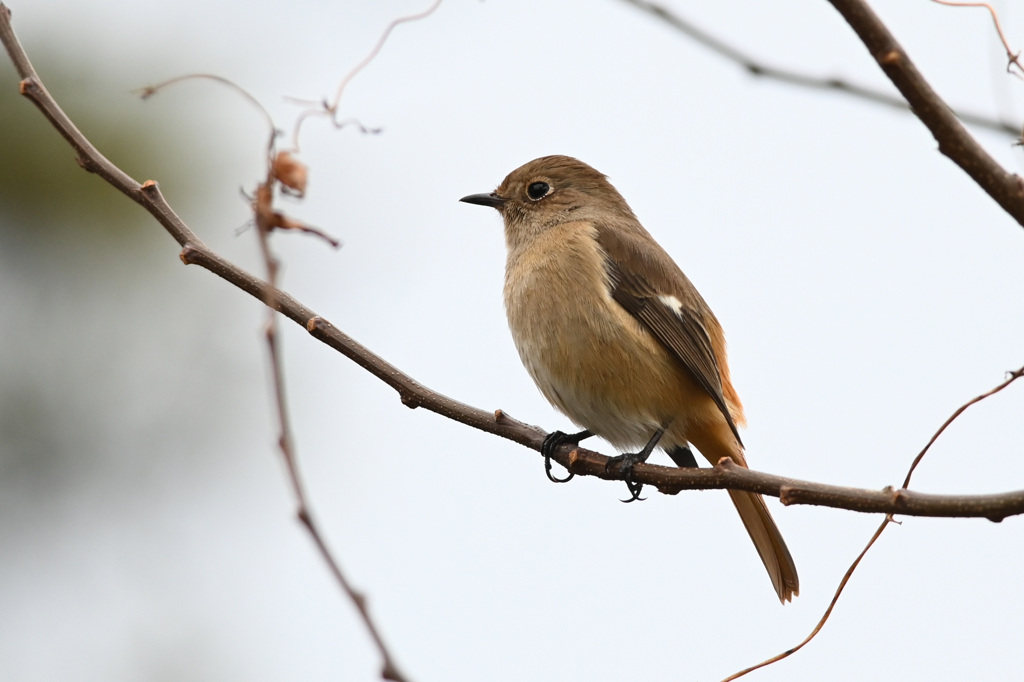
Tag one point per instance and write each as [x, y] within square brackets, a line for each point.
[867, 288]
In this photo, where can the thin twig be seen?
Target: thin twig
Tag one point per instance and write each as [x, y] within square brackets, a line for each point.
[150, 90]
[1013, 58]
[757, 67]
[831, 605]
[376, 49]
[1013, 376]
[264, 227]
[330, 109]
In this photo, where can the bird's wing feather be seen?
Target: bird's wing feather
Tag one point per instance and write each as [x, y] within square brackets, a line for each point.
[672, 317]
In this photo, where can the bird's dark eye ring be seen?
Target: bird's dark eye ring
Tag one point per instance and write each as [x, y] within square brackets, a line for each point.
[538, 190]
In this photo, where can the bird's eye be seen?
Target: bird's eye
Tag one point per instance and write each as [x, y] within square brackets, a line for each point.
[538, 190]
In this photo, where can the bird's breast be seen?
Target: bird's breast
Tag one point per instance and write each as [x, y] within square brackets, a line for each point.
[589, 357]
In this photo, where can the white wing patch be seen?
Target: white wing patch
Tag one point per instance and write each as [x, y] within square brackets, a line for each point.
[673, 303]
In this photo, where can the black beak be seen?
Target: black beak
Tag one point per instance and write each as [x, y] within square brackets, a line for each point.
[492, 200]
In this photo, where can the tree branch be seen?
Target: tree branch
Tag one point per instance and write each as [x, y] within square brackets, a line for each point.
[728, 475]
[954, 140]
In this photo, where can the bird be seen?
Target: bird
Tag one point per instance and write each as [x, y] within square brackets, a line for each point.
[617, 338]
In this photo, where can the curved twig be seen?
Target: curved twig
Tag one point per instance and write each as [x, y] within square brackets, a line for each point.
[330, 109]
[828, 611]
[1012, 58]
[1017, 374]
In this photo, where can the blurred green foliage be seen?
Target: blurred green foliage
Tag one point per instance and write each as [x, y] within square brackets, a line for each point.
[42, 188]
[89, 281]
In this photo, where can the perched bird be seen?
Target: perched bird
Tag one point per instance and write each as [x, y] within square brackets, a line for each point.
[615, 335]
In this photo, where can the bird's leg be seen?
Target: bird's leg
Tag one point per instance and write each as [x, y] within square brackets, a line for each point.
[624, 463]
[551, 443]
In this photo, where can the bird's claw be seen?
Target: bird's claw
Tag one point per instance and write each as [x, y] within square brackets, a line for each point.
[623, 465]
[634, 491]
[551, 476]
[551, 442]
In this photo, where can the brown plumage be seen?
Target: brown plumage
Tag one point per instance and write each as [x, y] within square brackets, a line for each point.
[615, 335]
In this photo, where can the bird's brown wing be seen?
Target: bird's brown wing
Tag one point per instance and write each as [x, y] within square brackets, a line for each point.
[668, 313]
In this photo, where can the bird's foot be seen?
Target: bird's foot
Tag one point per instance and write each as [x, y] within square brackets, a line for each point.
[623, 466]
[624, 463]
[552, 442]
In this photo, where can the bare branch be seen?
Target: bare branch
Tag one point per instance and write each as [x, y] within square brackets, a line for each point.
[376, 49]
[1013, 376]
[954, 141]
[266, 222]
[790, 491]
[1012, 58]
[757, 67]
[151, 90]
[828, 611]
[331, 108]
[885, 523]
